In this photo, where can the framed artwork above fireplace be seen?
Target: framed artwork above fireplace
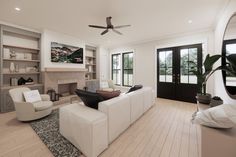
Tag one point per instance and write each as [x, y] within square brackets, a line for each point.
[61, 53]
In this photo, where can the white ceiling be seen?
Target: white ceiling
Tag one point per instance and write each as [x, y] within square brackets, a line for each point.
[149, 18]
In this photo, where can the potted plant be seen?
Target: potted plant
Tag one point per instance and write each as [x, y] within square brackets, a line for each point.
[204, 73]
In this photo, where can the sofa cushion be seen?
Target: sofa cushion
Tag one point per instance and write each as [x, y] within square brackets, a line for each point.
[134, 88]
[90, 99]
[32, 96]
[42, 105]
[108, 95]
[104, 84]
[118, 113]
[136, 104]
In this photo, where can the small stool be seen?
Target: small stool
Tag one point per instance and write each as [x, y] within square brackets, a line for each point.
[85, 128]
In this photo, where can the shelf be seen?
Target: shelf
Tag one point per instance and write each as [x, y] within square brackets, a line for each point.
[11, 87]
[91, 57]
[21, 60]
[91, 72]
[19, 47]
[65, 70]
[27, 73]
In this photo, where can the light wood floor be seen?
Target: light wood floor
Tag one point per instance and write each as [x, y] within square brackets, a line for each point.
[164, 131]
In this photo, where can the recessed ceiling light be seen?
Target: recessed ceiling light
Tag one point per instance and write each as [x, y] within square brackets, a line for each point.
[17, 9]
[190, 21]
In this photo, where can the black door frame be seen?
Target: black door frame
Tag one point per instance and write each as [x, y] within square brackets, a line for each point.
[176, 90]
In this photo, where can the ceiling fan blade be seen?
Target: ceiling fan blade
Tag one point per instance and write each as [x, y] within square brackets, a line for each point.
[95, 26]
[104, 32]
[117, 31]
[108, 20]
[122, 26]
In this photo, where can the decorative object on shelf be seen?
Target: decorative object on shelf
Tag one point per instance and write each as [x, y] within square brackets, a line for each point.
[32, 69]
[12, 67]
[29, 81]
[28, 56]
[12, 54]
[17, 68]
[13, 81]
[90, 69]
[215, 101]
[6, 53]
[204, 73]
[21, 81]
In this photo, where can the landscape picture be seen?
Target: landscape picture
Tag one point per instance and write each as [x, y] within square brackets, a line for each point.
[62, 53]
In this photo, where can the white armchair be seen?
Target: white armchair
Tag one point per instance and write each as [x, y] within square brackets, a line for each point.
[26, 111]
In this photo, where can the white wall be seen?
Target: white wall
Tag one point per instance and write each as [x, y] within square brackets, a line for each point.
[145, 55]
[219, 33]
[47, 38]
[102, 63]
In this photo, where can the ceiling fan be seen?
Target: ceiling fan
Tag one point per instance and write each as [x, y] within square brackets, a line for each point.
[109, 26]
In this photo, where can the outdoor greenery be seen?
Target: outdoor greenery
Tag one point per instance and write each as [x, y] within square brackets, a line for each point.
[204, 73]
[127, 68]
[166, 59]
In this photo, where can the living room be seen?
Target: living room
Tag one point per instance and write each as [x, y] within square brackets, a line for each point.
[117, 78]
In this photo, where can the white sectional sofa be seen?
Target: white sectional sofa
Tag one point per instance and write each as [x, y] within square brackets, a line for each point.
[120, 113]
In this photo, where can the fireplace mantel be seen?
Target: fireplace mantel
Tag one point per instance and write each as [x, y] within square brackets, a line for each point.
[65, 70]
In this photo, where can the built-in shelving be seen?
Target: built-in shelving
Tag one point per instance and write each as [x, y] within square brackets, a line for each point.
[90, 62]
[20, 58]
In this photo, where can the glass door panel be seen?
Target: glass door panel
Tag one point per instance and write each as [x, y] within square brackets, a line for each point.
[187, 55]
[166, 66]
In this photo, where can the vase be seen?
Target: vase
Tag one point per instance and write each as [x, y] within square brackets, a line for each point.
[12, 67]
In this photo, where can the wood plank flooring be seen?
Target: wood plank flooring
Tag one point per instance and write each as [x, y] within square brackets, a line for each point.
[164, 131]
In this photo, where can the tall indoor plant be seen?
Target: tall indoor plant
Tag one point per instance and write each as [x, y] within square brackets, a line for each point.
[203, 73]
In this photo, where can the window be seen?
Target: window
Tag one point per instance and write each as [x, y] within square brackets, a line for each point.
[116, 69]
[165, 66]
[127, 65]
[126, 68]
[187, 55]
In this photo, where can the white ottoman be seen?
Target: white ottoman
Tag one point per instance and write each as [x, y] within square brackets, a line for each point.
[85, 128]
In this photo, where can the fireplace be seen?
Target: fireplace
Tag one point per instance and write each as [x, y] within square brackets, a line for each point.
[67, 89]
[63, 81]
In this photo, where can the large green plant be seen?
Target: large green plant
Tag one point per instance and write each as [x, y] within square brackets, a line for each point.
[203, 73]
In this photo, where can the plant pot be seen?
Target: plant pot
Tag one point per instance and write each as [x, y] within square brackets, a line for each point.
[216, 102]
[204, 99]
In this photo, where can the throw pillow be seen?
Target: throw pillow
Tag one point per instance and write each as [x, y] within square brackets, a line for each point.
[32, 96]
[90, 99]
[104, 84]
[108, 95]
[217, 117]
[134, 88]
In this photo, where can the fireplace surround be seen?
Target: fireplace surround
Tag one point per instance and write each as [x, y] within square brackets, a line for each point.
[63, 81]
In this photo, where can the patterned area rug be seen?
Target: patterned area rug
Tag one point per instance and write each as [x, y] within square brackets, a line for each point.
[48, 130]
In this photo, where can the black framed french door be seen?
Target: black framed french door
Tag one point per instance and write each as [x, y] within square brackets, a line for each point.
[174, 79]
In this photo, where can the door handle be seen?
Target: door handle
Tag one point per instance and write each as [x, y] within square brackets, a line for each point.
[178, 79]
